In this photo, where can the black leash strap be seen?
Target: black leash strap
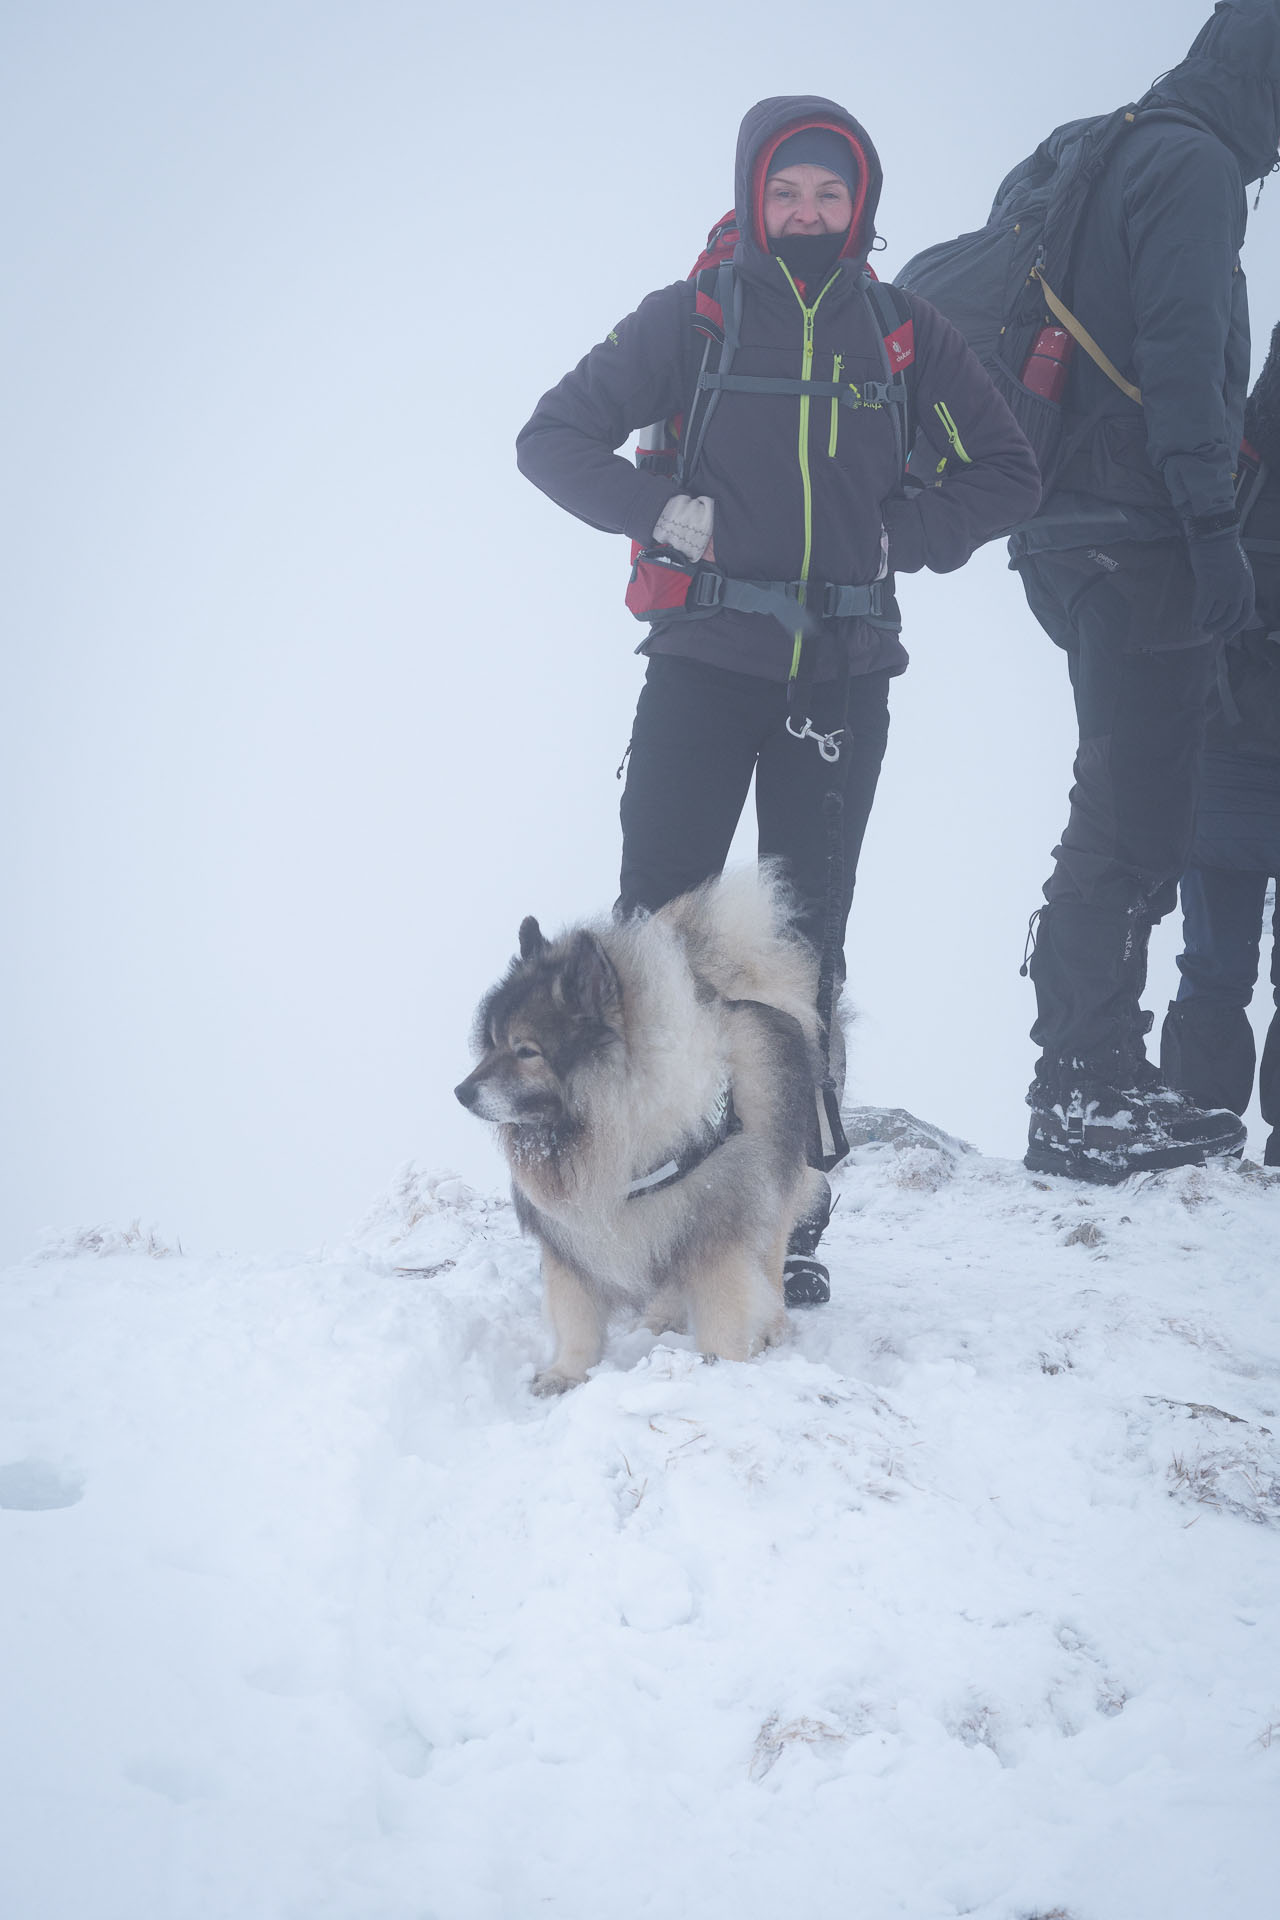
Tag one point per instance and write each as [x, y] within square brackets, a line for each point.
[833, 1142]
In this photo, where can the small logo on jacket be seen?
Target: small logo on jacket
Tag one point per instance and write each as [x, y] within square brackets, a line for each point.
[1104, 560]
[901, 344]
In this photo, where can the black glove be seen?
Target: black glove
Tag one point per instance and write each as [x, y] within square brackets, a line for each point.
[1224, 599]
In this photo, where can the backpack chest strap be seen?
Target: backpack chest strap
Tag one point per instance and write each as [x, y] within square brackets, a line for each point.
[872, 393]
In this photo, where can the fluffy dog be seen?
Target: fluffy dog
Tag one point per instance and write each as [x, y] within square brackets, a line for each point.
[653, 1086]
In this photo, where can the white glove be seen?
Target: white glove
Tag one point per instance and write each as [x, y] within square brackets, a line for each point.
[685, 524]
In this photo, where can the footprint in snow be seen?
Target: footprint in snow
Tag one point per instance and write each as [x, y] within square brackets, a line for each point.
[171, 1779]
[36, 1486]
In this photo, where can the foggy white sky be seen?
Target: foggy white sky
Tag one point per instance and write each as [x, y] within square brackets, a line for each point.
[309, 698]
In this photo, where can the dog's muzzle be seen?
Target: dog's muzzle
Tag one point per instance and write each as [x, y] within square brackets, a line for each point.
[492, 1101]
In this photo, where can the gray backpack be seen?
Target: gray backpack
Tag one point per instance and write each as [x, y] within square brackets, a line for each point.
[1003, 287]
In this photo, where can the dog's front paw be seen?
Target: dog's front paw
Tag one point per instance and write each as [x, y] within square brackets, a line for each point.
[551, 1381]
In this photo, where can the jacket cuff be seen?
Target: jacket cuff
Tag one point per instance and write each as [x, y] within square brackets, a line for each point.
[1203, 526]
[1201, 486]
[903, 525]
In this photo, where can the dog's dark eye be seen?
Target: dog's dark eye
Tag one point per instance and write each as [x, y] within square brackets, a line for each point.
[526, 1052]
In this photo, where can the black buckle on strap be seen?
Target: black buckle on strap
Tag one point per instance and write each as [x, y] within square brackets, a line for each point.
[707, 589]
[843, 603]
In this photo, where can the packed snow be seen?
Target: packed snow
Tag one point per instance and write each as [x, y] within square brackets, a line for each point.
[964, 1601]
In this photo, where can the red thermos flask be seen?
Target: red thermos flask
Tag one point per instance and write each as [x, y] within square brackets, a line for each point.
[1046, 370]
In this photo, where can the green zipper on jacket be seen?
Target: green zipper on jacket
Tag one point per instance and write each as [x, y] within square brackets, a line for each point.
[806, 373]
[836, 365]
[951, 430]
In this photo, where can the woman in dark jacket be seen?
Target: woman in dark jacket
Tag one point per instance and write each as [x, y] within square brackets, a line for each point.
[1207, 1046]
[796, 494]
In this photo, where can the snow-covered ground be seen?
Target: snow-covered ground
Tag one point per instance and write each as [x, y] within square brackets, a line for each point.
[966, 1601]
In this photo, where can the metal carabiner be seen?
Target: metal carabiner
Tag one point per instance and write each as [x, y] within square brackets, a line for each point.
[828, 744]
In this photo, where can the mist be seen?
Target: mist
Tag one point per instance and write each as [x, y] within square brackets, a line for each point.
[309, 697]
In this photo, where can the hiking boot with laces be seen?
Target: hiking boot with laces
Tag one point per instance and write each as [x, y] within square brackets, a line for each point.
[1102, 1124]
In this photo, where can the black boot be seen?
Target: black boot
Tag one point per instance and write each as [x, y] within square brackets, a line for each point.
[1090, 1121]
[805, 1281]
[1100, 1110]
[1271, 1158]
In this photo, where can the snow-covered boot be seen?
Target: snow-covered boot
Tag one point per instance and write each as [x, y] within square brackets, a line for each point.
[805, 1281]
[1090, 1121]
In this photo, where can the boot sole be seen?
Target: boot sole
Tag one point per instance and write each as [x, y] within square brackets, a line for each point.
[1097, 1173]
[806, 1282]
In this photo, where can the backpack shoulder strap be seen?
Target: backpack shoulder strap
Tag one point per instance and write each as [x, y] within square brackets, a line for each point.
[892, 310]
[717, 316]
[1083, 338]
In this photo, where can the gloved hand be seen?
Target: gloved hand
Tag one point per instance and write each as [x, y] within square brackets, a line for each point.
[1224, 602]
[685, 524]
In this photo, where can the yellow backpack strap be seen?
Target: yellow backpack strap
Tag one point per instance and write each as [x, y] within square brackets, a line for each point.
[1084, 338]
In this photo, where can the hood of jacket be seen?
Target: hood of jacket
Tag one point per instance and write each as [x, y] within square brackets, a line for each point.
[763, 129]
[1230, 81]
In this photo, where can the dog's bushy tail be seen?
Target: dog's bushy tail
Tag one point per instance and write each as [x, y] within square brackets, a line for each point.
[739, 931]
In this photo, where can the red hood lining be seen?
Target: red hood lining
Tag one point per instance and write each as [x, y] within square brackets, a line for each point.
[762, 174]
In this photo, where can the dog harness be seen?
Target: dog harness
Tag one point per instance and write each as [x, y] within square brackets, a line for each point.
[720, 1124]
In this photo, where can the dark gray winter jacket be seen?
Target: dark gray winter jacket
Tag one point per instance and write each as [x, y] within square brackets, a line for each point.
[1157, 281]
[803, 489]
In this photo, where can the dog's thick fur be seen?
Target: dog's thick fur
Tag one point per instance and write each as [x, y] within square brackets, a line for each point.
[602, 1054]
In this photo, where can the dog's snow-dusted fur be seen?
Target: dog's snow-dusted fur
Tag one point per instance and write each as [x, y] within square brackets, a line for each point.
[602, 1055]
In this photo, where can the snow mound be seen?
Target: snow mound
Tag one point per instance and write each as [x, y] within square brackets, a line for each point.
[963, 1601]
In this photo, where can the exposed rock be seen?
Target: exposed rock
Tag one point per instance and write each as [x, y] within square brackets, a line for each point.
[895, 1127]
[1087, 1233]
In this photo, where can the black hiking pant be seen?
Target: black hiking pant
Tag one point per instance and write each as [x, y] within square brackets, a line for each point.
[1207, 1047]
[700, 734]
[1140, 673]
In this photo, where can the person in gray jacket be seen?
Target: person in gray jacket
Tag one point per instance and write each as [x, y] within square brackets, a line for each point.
[1134, 566]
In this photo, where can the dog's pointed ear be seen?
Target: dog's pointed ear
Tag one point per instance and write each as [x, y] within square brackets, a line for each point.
[589, 983]
[532, 941]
